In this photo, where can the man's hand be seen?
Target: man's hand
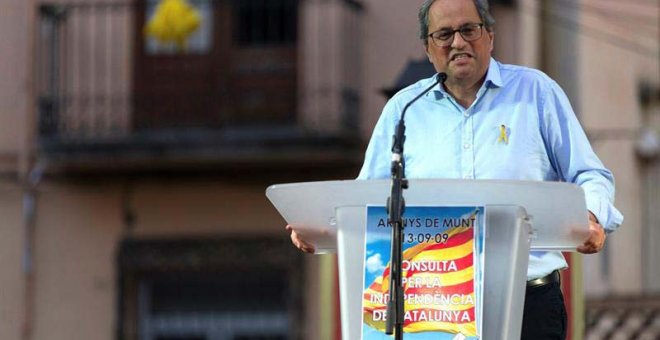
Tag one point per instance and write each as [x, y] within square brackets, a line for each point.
[596, 239]
[299, 242]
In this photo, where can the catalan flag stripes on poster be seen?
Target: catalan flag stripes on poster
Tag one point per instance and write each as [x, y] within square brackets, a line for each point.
[442, 260]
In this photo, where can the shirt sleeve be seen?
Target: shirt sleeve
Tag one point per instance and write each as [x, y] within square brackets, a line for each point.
[378, 159]
[573, 158]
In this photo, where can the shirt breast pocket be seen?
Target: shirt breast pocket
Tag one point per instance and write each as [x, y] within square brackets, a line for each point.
[512, 153]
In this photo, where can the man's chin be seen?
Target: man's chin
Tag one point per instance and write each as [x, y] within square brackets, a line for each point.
[459, 76]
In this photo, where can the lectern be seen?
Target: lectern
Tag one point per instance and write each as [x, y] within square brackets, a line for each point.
[520, 215]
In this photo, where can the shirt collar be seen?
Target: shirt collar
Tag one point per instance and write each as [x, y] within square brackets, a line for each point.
[493, 79]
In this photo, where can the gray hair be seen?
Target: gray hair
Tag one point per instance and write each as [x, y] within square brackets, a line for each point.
[482, 8]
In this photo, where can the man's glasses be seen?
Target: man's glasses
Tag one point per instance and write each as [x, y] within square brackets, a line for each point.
[445, 37]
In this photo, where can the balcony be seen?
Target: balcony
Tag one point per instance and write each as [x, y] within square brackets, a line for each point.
[112, 99]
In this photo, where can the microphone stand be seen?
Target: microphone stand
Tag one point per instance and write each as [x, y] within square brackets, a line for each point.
[395, 209]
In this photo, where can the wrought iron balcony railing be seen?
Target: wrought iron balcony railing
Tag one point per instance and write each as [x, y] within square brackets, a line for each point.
[105, 87]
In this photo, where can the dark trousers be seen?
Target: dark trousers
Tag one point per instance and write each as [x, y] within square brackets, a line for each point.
[544, 316]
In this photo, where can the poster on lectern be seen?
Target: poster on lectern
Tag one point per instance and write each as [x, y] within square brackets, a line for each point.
[442, 272]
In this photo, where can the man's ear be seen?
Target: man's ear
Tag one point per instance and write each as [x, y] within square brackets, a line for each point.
[491, 35]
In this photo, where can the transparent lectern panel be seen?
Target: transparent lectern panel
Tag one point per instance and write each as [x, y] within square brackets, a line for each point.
[506, 258]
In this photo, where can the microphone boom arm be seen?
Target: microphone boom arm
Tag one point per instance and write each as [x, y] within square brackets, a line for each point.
[395, 209]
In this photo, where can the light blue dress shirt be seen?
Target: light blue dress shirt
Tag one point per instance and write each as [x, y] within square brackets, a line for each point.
[521, 126]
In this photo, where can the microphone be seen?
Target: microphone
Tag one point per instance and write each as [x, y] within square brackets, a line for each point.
[395, 208]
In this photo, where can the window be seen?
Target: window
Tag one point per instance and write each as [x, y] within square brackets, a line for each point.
[215, 306]
[265, 22]
[239, 289]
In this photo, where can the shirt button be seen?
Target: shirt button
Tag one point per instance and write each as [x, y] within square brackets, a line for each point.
[466, 114]
[466, 146]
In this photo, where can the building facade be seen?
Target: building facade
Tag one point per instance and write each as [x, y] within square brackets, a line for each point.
[133, 173]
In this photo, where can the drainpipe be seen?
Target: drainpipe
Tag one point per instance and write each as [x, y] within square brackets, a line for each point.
[26, 176]
[29, 225]
[31, 173]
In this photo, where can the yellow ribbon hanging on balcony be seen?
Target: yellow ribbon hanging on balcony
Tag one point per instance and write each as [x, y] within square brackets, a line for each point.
[173, 22]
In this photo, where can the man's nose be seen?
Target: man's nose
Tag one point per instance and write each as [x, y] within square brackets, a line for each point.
[458, 40]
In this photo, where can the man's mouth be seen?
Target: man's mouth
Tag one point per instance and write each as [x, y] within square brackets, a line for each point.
[459, 56]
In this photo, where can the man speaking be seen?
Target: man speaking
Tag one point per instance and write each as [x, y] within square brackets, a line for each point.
[489, 120]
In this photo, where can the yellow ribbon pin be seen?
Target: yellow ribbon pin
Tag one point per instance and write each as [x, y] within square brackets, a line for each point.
[504, 138]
